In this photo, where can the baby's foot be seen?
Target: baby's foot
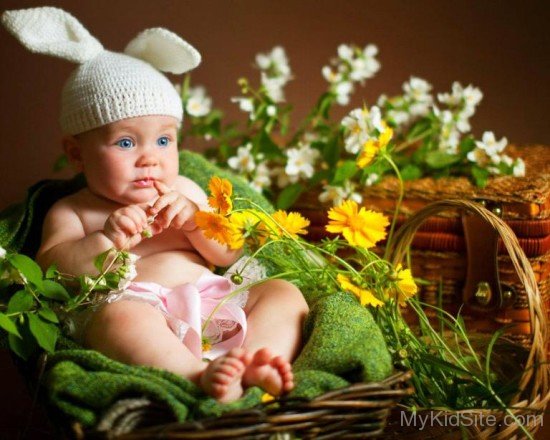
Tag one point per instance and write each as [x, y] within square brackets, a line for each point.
[272, 374]
[222, 377]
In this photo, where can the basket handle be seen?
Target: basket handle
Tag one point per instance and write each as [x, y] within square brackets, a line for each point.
[537, 316]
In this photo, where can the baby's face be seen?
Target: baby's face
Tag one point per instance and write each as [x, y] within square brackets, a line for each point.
[122, 160]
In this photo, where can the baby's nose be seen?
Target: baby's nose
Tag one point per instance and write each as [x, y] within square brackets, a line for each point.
[148, 158]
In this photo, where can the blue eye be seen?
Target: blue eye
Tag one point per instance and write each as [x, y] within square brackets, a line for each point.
[125, 143]
[163, 141]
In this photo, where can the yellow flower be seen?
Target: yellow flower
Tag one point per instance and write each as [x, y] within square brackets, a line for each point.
[405, 285]
[373, 146]
[220, 195]
[216, 226]
[360, 227]
[247, 223]
[266, 397]
[292, 222]
[365, 296]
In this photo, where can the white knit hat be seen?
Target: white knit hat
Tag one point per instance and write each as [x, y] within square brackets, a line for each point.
[107, 86]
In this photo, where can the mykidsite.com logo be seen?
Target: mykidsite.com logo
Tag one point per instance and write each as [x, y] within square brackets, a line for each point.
[429, 419]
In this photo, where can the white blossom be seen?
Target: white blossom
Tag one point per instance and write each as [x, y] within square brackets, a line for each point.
[271, 110]
[244, 160]
[261, 177]
[490, 145]
[343, 90]
[519, 168]
[245, 104]
[275, 72]
[345, 52]
[274, 87]
[330, 75]
[360, 125]
[198, 104]
[371, 179]
[283, 179]
[337, 194]
[301, 161]
[2, 253]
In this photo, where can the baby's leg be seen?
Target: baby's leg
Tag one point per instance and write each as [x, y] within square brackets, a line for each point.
[136, 333]
[275, 313]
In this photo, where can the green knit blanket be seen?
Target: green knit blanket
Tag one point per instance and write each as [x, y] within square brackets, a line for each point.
[342, 343]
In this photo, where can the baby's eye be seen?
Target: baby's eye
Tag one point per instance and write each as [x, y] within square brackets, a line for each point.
[125, 143]
[163, 141]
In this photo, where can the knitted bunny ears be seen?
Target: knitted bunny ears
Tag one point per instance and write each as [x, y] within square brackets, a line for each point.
[106, 86]
[52, 31]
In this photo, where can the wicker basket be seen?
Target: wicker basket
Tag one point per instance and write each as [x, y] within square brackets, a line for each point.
[534, 387]
[360, 410]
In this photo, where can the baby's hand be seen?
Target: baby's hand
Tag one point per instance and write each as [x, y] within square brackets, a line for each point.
[172, 209]
[124, 226]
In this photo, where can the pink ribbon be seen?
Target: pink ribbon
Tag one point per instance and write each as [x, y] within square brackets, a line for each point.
[191, 304]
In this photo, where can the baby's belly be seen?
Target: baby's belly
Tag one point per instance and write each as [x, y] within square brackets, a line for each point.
[170, 268]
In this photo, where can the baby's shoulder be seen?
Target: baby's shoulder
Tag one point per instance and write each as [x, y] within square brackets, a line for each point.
[190, 189]
[69, 205]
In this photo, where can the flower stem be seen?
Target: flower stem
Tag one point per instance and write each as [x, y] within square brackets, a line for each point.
[397, 206]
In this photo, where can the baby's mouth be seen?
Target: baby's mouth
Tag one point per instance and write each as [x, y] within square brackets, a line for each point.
[146, 182]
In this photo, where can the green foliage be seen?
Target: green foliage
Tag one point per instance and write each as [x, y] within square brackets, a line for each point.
[30, 314]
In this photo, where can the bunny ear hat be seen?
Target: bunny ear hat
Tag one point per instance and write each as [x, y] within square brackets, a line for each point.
[106, 86]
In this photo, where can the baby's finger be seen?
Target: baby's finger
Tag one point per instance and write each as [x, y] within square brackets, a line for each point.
[162, 202]
[161, 187]
[141, 212]
[137, 216]
[127, 225]
[172, 211]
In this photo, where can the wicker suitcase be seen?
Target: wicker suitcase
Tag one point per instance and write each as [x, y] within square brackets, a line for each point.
[462, 260]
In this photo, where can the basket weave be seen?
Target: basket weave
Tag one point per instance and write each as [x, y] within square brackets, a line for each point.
[357, 411]
[534, 386]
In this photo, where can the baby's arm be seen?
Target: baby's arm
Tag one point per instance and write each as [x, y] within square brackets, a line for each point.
[65, 243]
[194, 199]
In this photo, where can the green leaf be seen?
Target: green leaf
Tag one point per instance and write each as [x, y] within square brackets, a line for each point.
[24, 345]
[7, 324]
[100, 260]
[439, 159]
[45, 333]
[480, 176]
[466, 145]
[411, 172]
[289, 195]
[423, 125]
[48, 314]
[21, 301]
[51, 272]
[27, 267]
[331, 151]
[345, 172]
[266, 146]
[54, 290]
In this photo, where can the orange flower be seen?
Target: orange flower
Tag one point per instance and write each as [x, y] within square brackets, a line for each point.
[360, 227]
[216, 226]
[220, 195]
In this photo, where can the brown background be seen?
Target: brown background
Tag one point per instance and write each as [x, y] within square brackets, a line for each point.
[500, 47]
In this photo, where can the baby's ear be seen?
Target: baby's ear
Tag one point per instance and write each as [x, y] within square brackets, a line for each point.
[164, 50]
[73, 151]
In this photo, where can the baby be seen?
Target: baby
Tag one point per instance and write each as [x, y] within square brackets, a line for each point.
[121, 118]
